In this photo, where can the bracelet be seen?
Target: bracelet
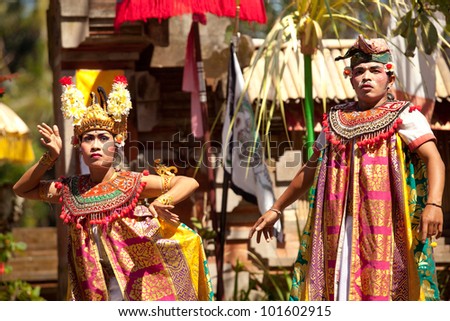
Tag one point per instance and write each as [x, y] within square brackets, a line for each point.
[46, 160]
[165, 199]
[276, 211]
[434, 204]
[165, 182]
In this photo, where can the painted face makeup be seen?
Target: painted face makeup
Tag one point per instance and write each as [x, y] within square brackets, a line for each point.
[371, 83]
[97, 148]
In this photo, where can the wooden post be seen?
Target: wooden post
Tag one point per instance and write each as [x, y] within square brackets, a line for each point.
[209, 165]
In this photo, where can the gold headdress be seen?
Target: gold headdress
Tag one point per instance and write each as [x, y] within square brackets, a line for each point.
[111, 114]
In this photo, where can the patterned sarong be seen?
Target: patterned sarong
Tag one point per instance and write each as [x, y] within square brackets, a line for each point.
[151, 259]
[384, 189]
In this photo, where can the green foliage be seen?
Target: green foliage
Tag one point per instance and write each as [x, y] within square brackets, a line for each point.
[23, 43]
[20, 34]
[10, 173]
[275, 285]
[19, 291]
[16, 290]
[420, 19]
[442, 6]
[23, 52]
[8, 246]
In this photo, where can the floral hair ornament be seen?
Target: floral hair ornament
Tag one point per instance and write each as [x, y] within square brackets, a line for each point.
[389, 67]
[110, 114]
[347, 72]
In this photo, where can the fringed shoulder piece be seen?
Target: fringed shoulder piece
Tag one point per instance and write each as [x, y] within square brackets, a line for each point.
[346, 122]
[86, 203]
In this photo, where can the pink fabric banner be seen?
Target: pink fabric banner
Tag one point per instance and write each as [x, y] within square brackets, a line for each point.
[190, 84]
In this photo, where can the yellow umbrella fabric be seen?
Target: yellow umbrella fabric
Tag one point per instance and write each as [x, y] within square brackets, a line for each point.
[15, 143]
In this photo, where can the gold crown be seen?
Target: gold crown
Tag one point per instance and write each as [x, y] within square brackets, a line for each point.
[110, 115]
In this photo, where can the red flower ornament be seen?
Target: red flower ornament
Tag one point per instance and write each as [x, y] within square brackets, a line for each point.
[65, 81]
[389, 67]
[347, 72]
[121, 79]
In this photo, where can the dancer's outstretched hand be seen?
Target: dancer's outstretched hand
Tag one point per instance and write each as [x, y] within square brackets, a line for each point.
[51, 139]
[163, 211]
[264, 226]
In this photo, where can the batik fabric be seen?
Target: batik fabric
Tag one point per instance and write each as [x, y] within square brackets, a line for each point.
[112, 235]
[367, 169]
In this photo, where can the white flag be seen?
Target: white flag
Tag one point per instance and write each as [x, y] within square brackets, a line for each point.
[243, 154]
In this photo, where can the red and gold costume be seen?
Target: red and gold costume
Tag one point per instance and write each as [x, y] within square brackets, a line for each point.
[367, 171]
[150, 258]
[117, 250]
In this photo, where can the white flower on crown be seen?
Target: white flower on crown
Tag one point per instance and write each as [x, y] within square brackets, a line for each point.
[72, 101]
[119, 101]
